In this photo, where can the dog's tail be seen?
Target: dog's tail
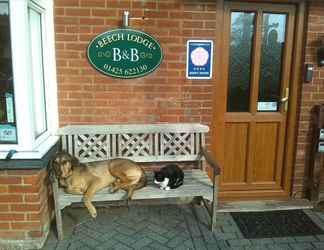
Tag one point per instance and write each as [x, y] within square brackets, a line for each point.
[141, 183]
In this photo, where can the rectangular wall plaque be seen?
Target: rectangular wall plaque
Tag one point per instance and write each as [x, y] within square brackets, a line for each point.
[199, 59]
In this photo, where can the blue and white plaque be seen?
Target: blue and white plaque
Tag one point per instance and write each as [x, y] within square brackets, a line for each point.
[199, 59]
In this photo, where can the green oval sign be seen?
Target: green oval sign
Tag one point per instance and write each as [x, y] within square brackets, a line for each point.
[124, 53]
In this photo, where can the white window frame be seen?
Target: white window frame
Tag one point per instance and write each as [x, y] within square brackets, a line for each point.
[28, 146]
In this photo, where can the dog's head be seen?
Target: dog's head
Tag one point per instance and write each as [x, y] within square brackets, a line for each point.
[63, 163]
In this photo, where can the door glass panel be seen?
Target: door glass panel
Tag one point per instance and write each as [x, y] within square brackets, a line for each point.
[273, 42]
[242, 31]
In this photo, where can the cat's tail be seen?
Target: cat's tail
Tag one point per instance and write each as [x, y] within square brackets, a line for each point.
[178, 183]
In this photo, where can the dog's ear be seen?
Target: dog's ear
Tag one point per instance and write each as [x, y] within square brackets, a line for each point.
[52, 171]
[74, 161]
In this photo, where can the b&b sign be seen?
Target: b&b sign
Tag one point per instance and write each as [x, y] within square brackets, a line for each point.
[125, 53]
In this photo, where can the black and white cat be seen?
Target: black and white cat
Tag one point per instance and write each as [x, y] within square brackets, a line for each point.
[169, 177]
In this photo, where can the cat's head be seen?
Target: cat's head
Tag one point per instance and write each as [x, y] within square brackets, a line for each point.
[158, 177]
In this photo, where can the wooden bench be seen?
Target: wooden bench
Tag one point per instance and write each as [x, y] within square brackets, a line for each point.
[142, 143]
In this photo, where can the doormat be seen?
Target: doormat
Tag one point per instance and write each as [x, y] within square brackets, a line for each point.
[268, 224]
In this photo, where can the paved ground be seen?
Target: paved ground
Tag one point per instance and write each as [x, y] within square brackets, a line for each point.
[166, 227]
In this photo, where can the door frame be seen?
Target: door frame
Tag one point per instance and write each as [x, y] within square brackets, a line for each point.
[220, 93]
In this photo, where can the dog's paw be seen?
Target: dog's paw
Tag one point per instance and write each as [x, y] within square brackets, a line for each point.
[114, 190]
[94, 214]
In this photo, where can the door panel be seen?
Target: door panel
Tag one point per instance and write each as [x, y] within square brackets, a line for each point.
[257, 55]
[264, 156]
[236, 146]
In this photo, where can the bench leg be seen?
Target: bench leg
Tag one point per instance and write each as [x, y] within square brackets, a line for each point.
[59, 225]
[213, 218]
[214, 203]
[58, 214]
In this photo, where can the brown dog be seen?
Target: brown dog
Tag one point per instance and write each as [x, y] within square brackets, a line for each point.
[87, 179]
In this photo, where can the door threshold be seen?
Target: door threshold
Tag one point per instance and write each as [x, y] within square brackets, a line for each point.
[264, 205]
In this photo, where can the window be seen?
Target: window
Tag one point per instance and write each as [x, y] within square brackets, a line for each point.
[8, 133]
[28, 94]
[36, 41]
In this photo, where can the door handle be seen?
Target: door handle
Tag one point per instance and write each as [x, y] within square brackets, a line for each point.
[285, 99]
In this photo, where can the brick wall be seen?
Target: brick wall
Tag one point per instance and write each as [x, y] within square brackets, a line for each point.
[311, 93]
[24, 206]
[86, 96]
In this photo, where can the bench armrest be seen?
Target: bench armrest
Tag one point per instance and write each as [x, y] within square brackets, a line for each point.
[52, 177]
[212, 163]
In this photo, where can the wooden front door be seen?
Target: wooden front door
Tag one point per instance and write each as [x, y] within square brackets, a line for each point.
[257, 59]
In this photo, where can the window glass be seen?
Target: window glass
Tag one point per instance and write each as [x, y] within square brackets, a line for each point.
[241, 43]
[8, 133]
[39, 105]
[273, 42]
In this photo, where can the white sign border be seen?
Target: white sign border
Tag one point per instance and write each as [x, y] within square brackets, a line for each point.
[211, 60]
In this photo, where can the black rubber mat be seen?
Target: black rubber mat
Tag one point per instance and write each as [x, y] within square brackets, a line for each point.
[275, 224]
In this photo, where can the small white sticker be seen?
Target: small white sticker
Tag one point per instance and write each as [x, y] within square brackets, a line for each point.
[267, 106]
[10, 107]
[321, 147]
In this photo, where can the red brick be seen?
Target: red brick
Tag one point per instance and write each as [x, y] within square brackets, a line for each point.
[4, 208]
[31, 179]
[168, 24]
[77, 12]
[66, 20]
[205, 33]
[5, 198]
[12, 217]
[23, 172]
[193, 24]
[118, 4]
[32, 198]
[92, 3]
[65, 3]
[25, 225]
[23, 189]
[59, 11]
[3, 189]
[169, 5]
[66, 37]
[156, 14]
[12, 235]
[4, 226]
[104, 12]
[78, 29]
[34, 217]
[91, 21]
[35, 234]
[25, 207]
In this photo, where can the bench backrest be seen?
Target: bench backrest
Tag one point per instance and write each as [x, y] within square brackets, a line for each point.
[137, 142]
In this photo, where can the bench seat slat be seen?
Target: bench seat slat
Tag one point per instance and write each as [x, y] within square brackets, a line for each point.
[158, 158]
[196, 183]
